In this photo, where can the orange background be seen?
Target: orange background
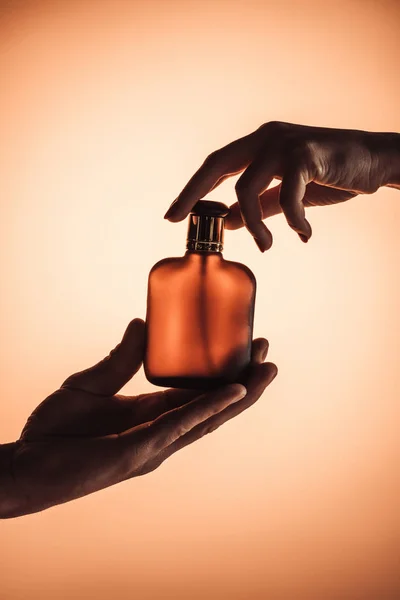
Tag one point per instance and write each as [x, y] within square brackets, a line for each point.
[106, 109]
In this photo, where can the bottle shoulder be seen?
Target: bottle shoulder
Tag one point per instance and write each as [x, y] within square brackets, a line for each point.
[166, 263]
[190, 263]
[237, 266]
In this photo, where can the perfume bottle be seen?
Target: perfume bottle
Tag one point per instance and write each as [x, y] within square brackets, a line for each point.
[200, 310]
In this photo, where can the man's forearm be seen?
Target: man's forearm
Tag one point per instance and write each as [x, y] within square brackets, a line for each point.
[10, 500]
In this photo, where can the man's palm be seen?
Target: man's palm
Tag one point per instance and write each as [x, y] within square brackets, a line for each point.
[86, 436]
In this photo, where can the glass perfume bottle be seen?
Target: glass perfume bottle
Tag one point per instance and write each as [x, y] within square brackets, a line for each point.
[200, 310]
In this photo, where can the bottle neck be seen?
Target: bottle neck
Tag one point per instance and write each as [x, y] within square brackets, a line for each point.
[205, 234]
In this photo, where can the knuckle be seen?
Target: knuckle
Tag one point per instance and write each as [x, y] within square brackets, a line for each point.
[272, 127]
[72, 381]
[309, 149]
[210, 429]
[182, 430]
[241, 187]
[213, 160]
[245, 187]
[302, 160]
[372, 187]
[301, 151]
[178, 427]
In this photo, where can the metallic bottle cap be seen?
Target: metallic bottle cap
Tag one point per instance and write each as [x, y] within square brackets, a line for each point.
[206, 227]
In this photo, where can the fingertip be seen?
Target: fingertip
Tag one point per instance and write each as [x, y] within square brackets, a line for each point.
[234, 218]
[271, 370]
[236, 391]
[266, 237]
[178, 210]
[134, 335]
[265, 242]
[174, 217]
[171, 209]
[263, 374]
[135, 326]
[304, 231]
[259, 350]
[260, 245]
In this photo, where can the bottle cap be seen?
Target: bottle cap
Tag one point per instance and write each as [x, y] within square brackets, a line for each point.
[206, 226]
[210, 208]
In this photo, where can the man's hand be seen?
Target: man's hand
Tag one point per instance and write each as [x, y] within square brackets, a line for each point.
[318, 166]
[85, 436]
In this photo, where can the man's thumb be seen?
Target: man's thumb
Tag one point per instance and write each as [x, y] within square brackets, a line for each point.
[108, 376]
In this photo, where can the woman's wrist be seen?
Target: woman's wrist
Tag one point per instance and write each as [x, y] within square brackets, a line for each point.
[389, 158]
[10, 500]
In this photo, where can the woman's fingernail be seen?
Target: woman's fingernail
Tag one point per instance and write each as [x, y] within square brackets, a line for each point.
[260, 244]
[170, 211]
[303, 238]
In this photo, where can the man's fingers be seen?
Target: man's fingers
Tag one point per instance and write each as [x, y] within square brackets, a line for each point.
[148, 407]
[226, 162]
[87, 414]
[260, 377]
[259, 350]
[172, 425]
[109, 375]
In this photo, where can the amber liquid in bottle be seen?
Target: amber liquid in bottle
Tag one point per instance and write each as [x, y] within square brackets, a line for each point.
[200, 310]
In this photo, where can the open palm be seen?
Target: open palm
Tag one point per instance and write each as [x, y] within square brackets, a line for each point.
[86, 436]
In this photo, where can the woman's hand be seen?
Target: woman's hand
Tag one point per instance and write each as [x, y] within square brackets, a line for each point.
[318, 166]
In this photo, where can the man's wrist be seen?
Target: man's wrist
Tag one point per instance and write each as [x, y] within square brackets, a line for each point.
[10, 500]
